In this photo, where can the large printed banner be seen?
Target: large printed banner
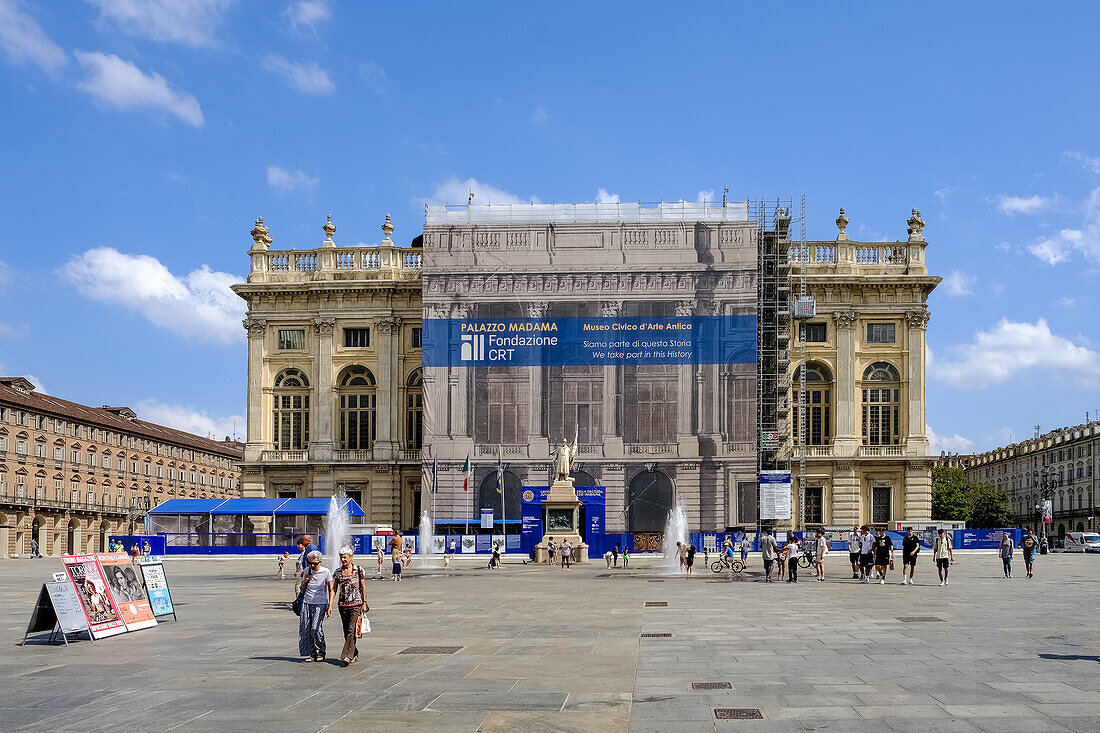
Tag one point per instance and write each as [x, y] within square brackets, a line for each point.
[99, 608]
[127, 591]
[775, 494]
[589, 341]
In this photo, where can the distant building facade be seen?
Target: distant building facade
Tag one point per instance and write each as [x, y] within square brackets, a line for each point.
[335, 399]
[1060, 466]
[71, 474]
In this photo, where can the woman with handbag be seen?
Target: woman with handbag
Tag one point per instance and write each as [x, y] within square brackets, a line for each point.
[316, 606]
[348, 585]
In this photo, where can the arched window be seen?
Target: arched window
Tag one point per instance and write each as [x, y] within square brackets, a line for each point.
[881, 389]
[358, 395]
[291, 410]
[414, 410]
[649, 501]
[817, 407]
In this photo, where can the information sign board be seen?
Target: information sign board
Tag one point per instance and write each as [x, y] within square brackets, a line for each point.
[156, 586]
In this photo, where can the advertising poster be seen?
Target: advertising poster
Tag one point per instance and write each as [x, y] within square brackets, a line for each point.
[95, 597]
[439, 544]
[1048, 511]
[126, 589]
[469, 543]
[160, 596]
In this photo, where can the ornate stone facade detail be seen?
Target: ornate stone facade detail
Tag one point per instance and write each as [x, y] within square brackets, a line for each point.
[260, 236]
[684, 308]
[916, 225]
[611, 308]
[256, 327]
[329, 229]
[918, 319]
[386, 326]
[842, 224]
[537, 309]
[846, 319]
[324, 326]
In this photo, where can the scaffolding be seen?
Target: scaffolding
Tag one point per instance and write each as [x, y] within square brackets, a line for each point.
[773, 292]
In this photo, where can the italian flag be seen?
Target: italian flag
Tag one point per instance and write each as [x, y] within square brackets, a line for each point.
[466, 469]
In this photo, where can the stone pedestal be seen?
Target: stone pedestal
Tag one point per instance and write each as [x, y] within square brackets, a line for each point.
[561, 517]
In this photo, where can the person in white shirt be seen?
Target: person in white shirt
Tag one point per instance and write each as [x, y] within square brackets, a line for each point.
[866, 554]
[943, 553]
[821, 549]
[792, 552]
[853, 552]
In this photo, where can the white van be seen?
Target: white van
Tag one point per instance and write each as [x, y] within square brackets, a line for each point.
[1082, 542]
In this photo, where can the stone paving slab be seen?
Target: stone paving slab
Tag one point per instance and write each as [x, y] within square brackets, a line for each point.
[548, 651]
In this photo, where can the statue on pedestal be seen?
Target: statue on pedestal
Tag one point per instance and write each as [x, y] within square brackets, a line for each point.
[565, 458]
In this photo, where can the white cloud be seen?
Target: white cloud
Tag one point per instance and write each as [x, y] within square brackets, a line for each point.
[374, 76]
[6, 273]
[943, 193]
[306, 77]
[284, 180]
[948, 443]
[1013, 349]
[1088, 161]
[540, 115]
[120, 83]
[23, 39]
[959, 283]
[192, 22]
[997, 289]
[190, 419]
[308, 13]
[198, 306]
[1086, 240]
[456, 191]
[1066, 302]
[707, 195]
[603, 197]
[1012, 205]
[12, 331]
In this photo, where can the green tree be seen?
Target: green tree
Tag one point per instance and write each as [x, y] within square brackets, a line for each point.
[988, 508]
[949, 487]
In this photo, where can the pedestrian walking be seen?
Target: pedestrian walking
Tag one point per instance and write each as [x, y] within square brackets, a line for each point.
[681, 552]
[566, 550]
[866, 554]
[791, 552]
[316, 607]
[689, 562]
[768, 550]
[450, 554]
[145, 548]
[381, 554]
[781, 563]
[282, 564]
[854, 552]
[351, 596]
[910, 548]
[884, 554]
[607, 557]
[1007, 548]
[821, 549]
[744, 549]
[943, 554]
[550, 550]
[615, 555]
[1028, 545]
[34, 549]
[306, 543]
[396, 556]
[626, 557]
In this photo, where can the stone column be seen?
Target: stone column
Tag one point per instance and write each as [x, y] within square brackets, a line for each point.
[848, 430]
[686, 418]
[612, 396]
[387, 329]
[846, 494]
[320, 444]
[918, 491]
[916, 442]
[538, 443]
[254, 419]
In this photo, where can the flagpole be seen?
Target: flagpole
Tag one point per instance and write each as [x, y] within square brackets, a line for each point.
[500, 480]
[467, 512]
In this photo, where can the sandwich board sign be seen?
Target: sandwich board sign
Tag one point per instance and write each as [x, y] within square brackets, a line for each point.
[58, 611]
[156, 588]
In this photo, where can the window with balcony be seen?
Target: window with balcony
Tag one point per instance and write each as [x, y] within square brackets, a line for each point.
[881, 390]
[414, 410]
[291, 415]
[816, 405]
[358, 397]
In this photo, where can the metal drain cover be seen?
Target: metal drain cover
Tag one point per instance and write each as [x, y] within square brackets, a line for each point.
[711, 686]
[919, 619]
[656, 636]
[738, 714]
[430, 650]
[656, 604]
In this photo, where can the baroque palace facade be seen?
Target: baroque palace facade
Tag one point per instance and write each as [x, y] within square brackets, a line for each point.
[338, 397]
[70, 474]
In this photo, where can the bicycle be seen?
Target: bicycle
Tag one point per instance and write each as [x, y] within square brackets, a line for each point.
[806, 560]
[734, 564]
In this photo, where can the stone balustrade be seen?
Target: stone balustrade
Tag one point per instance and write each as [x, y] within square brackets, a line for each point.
[861, 257]
[335, 263]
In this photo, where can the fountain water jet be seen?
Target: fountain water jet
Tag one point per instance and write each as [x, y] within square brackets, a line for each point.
[676, 530]
[425, 545]
[337, 527]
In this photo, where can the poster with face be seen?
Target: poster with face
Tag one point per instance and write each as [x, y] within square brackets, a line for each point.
[95, 596]
[129, 597]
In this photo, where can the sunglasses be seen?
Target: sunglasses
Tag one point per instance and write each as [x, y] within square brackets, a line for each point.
[314, 562]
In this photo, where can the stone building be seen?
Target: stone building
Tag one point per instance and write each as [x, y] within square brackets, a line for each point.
[1060, 465]
[71, 475]
[867, 453]
[334, 379]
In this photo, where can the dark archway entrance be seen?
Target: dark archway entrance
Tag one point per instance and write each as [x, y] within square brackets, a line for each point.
[489, 498]
[648, 502]
[70, 539]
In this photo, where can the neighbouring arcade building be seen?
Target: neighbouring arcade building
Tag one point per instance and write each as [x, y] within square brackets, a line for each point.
[71, 475]
[659, 337]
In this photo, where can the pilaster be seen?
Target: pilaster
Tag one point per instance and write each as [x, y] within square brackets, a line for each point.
[254, 416]
[846, 494]
[320, 444]
[848, 437]
[918, 491]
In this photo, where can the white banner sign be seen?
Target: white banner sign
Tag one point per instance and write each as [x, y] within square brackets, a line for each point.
[775, 494]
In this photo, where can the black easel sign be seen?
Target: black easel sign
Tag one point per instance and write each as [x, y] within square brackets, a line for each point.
[157, 590]
[57, 611]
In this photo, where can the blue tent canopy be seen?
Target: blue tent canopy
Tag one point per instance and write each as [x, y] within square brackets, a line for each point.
[250, 506]
[314, 506]
[187, 506]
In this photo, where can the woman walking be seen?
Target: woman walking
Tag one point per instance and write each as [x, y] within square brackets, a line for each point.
[316, 607]
[348, 586]
[1007, 548]
[381, 560]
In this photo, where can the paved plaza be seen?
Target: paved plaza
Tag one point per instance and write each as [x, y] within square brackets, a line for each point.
[543, 650]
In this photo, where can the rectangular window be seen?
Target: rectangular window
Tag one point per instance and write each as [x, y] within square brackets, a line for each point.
[813, 333]
[880, 504]
[357, 338]
[417, 337]
[746, 502]
[880, 333]
[814, 513]
[292, 339]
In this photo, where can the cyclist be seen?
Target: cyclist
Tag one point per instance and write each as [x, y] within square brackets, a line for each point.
[727, 554]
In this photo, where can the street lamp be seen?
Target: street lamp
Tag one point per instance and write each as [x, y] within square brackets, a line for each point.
[1051, 479]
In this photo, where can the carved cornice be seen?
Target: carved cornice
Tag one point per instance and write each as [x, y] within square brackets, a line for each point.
[510, 284]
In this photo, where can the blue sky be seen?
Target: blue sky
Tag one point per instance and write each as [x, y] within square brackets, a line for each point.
[140, 138]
